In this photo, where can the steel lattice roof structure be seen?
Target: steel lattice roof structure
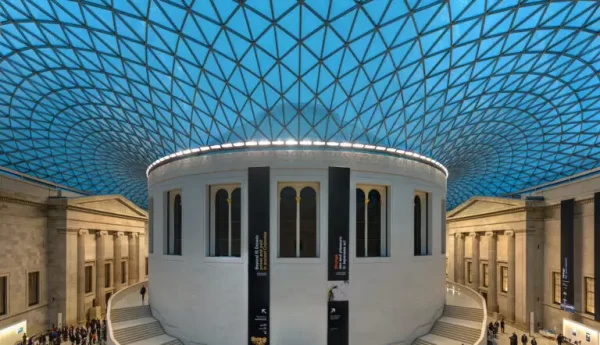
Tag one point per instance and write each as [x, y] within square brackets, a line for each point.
[504, 93]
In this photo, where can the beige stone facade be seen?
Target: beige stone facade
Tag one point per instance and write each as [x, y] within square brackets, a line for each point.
[61, 235]
[515, 243]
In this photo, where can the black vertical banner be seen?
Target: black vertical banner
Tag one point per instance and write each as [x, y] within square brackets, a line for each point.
[258, 256]
[567, 209]
[597, 255]
[338, 271]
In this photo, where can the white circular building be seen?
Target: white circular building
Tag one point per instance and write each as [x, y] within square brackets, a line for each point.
[297, 243]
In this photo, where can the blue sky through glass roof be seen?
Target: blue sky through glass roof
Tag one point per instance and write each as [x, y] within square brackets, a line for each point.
[504, 93]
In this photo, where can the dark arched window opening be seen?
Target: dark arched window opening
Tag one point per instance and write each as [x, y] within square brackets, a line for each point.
[287, 222]
[308, 222]
[177, 225]
[417, 224]
[221, 223]
[374, 224]
[360, 223]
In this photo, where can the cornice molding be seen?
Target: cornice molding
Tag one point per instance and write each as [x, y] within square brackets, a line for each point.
[21, 201]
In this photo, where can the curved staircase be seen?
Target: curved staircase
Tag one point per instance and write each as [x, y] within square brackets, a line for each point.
[133, 324]
[460, 324]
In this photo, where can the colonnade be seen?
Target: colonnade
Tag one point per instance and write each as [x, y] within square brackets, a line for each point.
[492, 288]
[134, 242]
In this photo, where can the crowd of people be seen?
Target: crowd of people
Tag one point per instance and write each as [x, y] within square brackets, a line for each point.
[94, 332]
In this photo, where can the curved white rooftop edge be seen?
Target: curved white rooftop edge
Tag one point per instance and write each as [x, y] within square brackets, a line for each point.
[293, 144]
[204, 292]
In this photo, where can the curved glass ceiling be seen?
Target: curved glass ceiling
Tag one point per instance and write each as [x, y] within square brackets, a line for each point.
[503, 93]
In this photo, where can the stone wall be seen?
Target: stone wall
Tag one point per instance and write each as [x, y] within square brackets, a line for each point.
[23, 241]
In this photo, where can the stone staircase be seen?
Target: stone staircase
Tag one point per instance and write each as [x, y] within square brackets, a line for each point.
[136, 326]
[458, 325]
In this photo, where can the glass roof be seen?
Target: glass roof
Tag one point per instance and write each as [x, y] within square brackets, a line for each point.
[504, 93]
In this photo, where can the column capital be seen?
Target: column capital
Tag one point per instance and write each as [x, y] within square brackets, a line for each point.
[101, 233]
[82, 232]
[459, 235]
[509, 233]
[119, 234]
[490, 234]
[473, 234]
[133, 234]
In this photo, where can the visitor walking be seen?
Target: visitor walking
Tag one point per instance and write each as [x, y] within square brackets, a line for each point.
[143, 293]
[513, 339]
[533, 341]
[524, 339]
[502, 326]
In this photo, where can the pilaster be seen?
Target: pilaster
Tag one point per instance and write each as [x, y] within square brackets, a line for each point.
[475, 260]
[460, 258]
[81, 313]
[492, 296]
[100, 274]
[134, 258]
[117, 260]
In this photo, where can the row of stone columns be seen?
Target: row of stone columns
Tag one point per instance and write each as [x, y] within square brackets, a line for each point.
[101, 239]
[492, 288]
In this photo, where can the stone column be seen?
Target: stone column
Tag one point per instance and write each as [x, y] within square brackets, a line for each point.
[117, 260]
[134, 258]
[511, 275]
[459, 260]
[475, 260]
[492, 296]
[81, 317]
[100, 260]
[141, 256]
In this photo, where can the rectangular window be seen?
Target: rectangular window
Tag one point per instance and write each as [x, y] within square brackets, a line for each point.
[469, 272]
[123, 272]
[504, 274]
[556, 286]
[107, 275]
[33, 288]
[421, 224]
[174, 231]
[147, 266]
[88, 278]
[225, 218]
[3, 295]
[486, 276]
[443, 226]
[298, 219]
[589, 295]
[371, 221]
[151, 225]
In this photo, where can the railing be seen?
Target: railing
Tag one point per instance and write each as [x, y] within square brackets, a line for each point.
[119, 296]
[475, 296]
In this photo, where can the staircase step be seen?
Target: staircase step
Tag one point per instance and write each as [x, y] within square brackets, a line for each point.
[465, 335]
[420, 341]
[437, 340]
[131, 313]
[164, 339]
[137, 333]
[465, 313]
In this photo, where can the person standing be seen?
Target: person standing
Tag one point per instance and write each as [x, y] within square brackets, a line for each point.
[524, 339]
[143, 293]
[502, 326]
[533, 341]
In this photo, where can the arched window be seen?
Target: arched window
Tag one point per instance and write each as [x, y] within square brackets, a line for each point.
[177, 223]
[371, 221]
[421, 221]
[221, 223]
[417, 224]
[308, 222]
[298, 220]
[173, 235]
[287, 222]
[225, 212]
